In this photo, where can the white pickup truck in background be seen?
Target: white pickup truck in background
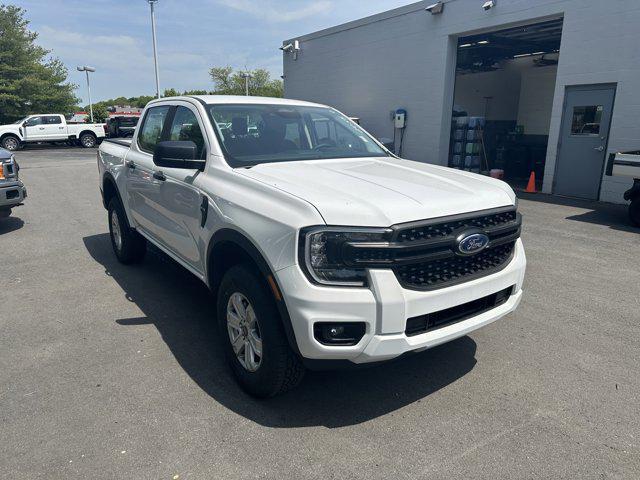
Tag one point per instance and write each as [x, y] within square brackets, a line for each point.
[50, 128]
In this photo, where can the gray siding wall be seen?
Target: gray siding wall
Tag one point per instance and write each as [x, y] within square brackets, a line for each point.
[406, 58]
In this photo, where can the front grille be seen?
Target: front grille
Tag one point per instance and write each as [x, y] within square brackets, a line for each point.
[452, 270]
[425, 255]
[421, 232]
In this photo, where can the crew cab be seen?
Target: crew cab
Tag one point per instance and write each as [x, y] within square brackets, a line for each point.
[321, 247]
[49, 128]
[12, 190]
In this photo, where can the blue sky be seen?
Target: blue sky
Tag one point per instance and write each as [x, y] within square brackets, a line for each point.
[115, 37]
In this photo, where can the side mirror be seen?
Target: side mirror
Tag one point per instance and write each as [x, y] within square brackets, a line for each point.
[24, 124]
[178, 154]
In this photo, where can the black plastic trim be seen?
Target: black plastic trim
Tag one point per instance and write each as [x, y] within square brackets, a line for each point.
[233, 236]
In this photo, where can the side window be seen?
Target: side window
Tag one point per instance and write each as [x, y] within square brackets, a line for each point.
[52, 120]
[185, 127]
[33, 121]
[152, 128]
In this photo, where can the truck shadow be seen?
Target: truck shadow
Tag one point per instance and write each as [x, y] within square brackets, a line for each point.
[609, 215]
[10, 224]
[182, 309]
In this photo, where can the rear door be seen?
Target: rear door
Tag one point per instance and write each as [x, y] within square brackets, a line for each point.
[54, 127]
[583, 142]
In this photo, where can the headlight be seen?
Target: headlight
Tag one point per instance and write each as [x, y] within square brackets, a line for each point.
[322, 250]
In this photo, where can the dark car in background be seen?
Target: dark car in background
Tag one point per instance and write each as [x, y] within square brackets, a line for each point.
[12, 190]
[121, 126]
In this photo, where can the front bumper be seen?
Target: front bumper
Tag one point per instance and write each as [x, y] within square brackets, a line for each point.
[385, 307]
[12, 194]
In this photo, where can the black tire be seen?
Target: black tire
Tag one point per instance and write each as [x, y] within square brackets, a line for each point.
[280, 369]
[11, 143]
[6, 213]
[132, 246]
[88, 140]
[634, 212]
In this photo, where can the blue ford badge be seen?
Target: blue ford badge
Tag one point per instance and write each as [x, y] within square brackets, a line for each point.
[468, 244]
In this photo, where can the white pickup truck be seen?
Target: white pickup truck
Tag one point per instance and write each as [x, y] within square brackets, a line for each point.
[50, 128]
[321, 246]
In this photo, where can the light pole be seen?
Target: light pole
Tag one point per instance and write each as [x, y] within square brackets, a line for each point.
[86, 70]
[152, 4]
[246, 77]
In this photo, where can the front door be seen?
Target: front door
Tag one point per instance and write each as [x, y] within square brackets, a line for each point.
[35, 130]
[583, 140]
[164, 202]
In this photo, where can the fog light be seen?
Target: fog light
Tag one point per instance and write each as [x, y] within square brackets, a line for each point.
[339, 333]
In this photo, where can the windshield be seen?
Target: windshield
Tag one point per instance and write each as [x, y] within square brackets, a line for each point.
[20, 121]
[251, 134]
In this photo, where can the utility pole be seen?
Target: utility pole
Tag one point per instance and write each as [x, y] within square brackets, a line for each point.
[86, 70]
[246, 77]
[155, 47]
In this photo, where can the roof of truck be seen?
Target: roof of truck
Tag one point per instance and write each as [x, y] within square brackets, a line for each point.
[237, 99]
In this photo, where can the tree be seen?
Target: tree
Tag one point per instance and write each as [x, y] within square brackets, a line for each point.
[171, 92]
[100, 113]
[30, 80]
[228, 82]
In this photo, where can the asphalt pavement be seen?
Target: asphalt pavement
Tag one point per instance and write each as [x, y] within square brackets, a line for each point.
[109, 371]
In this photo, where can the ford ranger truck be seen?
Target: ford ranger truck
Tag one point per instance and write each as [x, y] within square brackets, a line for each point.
[50, 128]
[12, 190]
[320, 246]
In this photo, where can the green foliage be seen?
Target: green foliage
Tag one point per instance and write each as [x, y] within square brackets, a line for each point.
[228, 82]
[30, 81]
[100, 113]
[171, 92]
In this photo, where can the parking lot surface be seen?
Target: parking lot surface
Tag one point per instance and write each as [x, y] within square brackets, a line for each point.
[109, 371]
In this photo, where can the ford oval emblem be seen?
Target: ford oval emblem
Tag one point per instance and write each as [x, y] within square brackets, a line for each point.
[469, 244]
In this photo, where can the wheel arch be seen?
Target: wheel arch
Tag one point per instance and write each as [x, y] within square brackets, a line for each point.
[229, 247]
[10, 134]
[109, 189]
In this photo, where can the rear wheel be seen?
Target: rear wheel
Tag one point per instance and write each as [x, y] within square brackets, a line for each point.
[88, 140]
[128, 245]
[254, 340]
[634, 212]
[11, 143]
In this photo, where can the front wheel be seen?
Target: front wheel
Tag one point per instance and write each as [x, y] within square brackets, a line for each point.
[634, 212]
[88, 140]
[254, 340]
[128, 245]
[11, 143]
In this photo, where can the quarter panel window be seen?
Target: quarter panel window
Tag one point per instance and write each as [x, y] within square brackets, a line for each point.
[152, 128]
[185, 127]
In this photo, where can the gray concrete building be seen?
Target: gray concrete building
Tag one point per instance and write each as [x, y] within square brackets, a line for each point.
[549, 86]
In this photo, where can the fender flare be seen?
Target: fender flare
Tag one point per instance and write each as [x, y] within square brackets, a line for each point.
[241, 241]
[109, 178]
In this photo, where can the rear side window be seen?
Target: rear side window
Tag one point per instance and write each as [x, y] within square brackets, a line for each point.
[185, 127]
[152, 126]
[52, 120]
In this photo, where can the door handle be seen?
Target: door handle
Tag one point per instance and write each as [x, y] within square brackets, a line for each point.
[130, 164]
[159, 176]
[41, 128]
[600, 148]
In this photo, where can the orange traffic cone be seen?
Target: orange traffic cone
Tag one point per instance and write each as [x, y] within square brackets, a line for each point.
[531, 186]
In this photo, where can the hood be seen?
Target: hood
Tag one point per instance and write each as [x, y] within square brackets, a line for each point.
[4, 154]
[383, 191]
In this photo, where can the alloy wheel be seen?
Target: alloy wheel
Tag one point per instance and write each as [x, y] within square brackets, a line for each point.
[115, 230]
[244, 332]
